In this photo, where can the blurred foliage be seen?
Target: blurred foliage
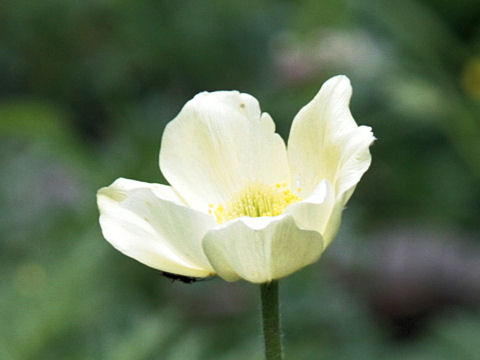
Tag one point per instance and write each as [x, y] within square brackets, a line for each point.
[86, 89]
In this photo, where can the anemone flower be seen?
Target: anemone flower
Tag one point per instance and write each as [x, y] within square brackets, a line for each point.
[241, 204]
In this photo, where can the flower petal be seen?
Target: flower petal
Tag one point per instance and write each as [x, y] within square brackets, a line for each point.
[149, 223]
[122, 186]
[316, 212]
[326, 143]
[261, 249]
[219, 143]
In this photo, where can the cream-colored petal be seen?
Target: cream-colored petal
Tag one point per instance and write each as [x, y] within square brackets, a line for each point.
[321, 211]
[315, 212]
[217, 144]
[326, 143]
[149, 223]
[120, 187]
[261, 249]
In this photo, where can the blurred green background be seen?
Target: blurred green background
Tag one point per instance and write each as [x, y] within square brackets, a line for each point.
[86, 88]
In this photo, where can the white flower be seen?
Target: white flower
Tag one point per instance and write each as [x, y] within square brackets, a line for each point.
[240, 204]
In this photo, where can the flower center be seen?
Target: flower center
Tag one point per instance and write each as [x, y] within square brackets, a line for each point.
[255, 200]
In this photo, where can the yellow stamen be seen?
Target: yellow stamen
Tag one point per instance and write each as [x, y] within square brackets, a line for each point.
[256, 200]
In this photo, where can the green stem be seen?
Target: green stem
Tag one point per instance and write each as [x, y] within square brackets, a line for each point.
[271, 321]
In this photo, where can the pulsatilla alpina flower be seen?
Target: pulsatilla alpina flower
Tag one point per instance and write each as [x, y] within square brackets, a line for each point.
[240, 204]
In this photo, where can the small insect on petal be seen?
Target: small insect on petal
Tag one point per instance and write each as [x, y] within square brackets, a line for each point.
[181, 278]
